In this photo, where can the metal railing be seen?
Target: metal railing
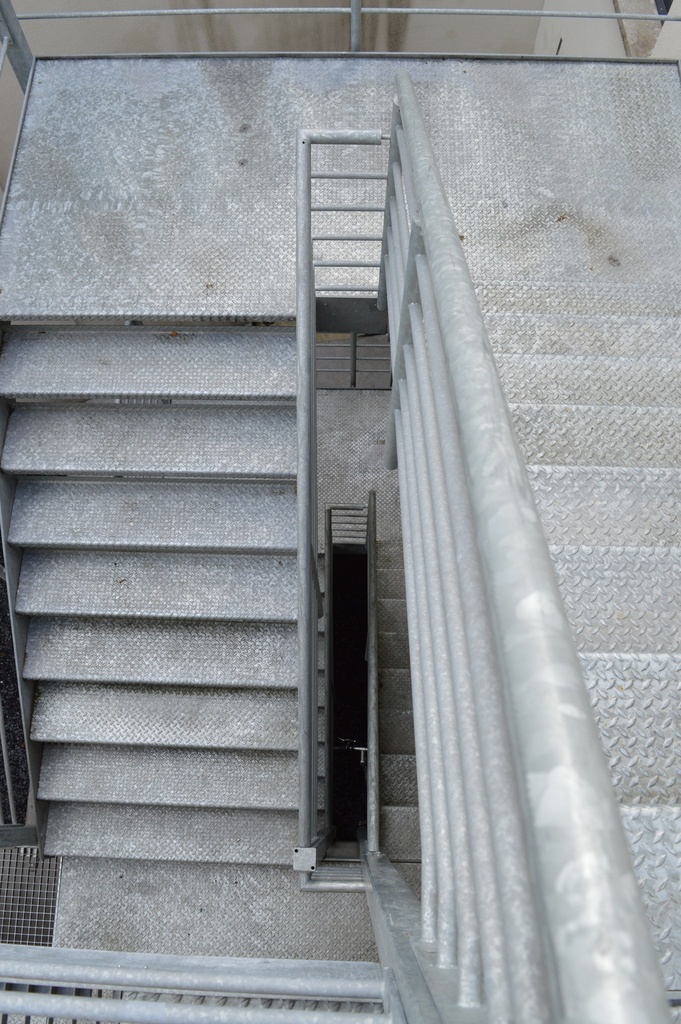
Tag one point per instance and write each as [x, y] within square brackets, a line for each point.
[529, 899]
[312, 840]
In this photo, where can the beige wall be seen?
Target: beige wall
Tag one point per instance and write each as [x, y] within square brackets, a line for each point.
[579, 38]
[669, 40]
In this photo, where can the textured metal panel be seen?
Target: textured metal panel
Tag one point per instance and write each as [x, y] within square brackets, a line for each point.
[394, 688]
[239, 363]
[396, 731]
[188, 586]
[621, 599]
[637, 706]
[398, 780]
[611, 298]
[574, 435]
[654, 835]
[411, 873]
[196, 441]
[393, 650]
[392, 615]
[169, 516]
[590, 380]
[171, 833]
[165, 204]
[400, 836]
[178, 653]
[589, 335]
[608, 505]
[187, 778]
[162, 717]
[198, 909]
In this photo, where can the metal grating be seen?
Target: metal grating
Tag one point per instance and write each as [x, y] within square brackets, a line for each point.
[28, 896]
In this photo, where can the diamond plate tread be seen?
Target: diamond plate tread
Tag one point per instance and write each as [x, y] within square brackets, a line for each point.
[411, 873]
[626, 600]
[136, 514]
[637, 707]
[609, 505]
[605, 298]
[654, 835]
[393, 650]
[207, 909]
[162, 717]
[176, 653]
[170, 777]
[160, 585]
[396, 731]
[653, 337]
[573, 435]
[171, 833]
[245, 363]
[397, 780]
[400, 835]
[392, 615]
[590, 380]
[164, 440]
[394, 688]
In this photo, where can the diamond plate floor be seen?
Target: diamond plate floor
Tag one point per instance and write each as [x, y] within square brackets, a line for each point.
[236, 909]
[173, 224]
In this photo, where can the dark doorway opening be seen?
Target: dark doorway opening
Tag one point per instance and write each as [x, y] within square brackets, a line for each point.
[350, 612]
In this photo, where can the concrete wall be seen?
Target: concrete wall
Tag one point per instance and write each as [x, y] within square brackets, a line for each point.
[577, 38]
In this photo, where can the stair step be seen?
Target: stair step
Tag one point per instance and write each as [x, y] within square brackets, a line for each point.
[394, 688]
[654, 835]
[621, 599]
[244, 363]
[392, 615]
[590, 380]
[171, 652]
[171, 833]
[397, 780]
[393, 650]
[167, 776]
[396, 731]
[569, 334]
[400, 835]
[187, 586]
[637, 707]
[164, 516]
[162, 717]
[608, 505]
[580, 435]
[599, 296]
[86, 440]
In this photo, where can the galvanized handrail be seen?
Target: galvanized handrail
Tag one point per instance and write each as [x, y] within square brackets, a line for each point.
[545, 921]
[310, 840]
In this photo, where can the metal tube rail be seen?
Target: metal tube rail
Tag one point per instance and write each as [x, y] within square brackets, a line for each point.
[308, 610]
[594, 914]
[441, 11]
[373, 792]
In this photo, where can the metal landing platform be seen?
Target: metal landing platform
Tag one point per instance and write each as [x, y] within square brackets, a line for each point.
[163, 188]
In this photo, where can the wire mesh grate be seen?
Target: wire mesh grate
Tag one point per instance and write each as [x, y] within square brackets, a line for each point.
[28, 896]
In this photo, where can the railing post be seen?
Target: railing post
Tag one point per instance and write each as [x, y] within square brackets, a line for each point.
[18, 51]
[355, 26]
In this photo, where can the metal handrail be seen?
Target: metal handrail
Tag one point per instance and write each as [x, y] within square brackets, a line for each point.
[516, 796]
[309, 838]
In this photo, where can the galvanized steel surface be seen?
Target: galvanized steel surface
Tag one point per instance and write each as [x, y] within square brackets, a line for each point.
[123, 202]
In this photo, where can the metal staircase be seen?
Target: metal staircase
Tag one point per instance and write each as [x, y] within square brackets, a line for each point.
[155, 506]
